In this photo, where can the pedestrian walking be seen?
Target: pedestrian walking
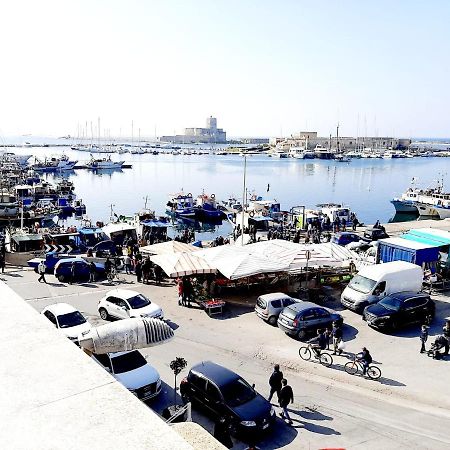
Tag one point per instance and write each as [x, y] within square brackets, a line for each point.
[41, 271]
[423, 338]
[336, 332]
[275, 382]
[2, 262]
[92, 270]
[146, 266]
[355, 223]
[286, 397]
[222, 432]
[187, 292]
[127, 264]
[158, 274]
[138, 271]
[180, 292]
[72, 272]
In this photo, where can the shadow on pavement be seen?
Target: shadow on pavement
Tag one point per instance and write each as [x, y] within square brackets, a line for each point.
[88, 285]
[311, 414]
[171, 324]
[12, 274]
[349, 332]
[314, 428]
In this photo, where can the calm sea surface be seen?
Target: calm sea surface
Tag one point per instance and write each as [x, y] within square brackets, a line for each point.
[366, 185]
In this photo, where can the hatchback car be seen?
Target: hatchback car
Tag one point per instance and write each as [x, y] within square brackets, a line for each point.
[374, 234]
[123, 304]
[398, 310]
[133, 371]
[345, 238]
[223, 393]
[67, 319]
[269, 306]
[63, 269]
[303, 318]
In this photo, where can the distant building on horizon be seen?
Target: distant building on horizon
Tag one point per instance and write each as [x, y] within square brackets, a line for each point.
[209, 135]
[310, 139]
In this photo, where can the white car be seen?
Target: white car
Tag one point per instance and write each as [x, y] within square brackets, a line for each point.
[68, 319]
[133, 371]
[123, 304]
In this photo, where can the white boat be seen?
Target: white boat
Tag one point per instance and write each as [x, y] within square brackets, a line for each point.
[104, 163]
[12, 157]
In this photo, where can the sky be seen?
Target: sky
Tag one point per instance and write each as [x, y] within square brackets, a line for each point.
[263, 68]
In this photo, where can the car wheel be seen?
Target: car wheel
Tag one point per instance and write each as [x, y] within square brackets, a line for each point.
[103, 313]
[61, 278]
[301, 334]
[272, 320]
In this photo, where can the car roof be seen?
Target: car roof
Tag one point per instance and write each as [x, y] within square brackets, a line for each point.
[122, 293]
[406, 295]
[218, 374]
[273, 296]
[60, 308]
[345, 233]
[116, 354]
[302, 306]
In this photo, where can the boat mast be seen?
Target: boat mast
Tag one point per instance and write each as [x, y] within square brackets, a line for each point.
[337, 137]
[243, 199]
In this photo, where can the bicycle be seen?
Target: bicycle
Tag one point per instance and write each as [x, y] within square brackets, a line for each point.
[352, 368]
[113, 275]
[307, 352]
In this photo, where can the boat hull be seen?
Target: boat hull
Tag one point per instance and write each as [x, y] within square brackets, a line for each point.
[427, 210]
[402, 206]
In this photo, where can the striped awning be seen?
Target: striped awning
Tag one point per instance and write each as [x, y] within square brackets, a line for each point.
[168, 247]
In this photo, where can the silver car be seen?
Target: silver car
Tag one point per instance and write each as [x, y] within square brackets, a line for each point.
[269, 306]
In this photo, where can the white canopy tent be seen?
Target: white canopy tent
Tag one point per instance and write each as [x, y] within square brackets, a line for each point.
[181, 264]
[168, 247]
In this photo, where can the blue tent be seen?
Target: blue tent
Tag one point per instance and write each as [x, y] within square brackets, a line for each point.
[400, 249]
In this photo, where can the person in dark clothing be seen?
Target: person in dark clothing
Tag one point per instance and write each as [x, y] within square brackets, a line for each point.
[187, 292]
[222, 432]
[275, 382]
[146, 267]
[108, 266]
[354, 223]
[319, 342]
[286, 397]
[92, 270]
[336, 332]
[158, 274]
[2, 262]
[365, 358]
[423, 338]
[138, 271]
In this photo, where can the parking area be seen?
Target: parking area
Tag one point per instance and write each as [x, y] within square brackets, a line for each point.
[329, 406]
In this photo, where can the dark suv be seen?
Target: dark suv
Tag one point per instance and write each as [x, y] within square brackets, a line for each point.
[398, 310]
[303, 318]
[224, 393]
[374, 234]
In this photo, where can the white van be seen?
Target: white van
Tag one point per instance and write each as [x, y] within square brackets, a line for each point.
[372, 283]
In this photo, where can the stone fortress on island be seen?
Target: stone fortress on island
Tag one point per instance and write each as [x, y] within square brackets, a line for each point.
[209, 135]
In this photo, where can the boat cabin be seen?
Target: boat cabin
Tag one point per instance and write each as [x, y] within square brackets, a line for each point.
[119, 232]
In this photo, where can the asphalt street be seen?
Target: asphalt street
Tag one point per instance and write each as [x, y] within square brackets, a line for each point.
[407, 408]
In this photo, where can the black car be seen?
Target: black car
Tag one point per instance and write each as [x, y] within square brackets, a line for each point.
[374, 234]
[224, 393]
[398, 310]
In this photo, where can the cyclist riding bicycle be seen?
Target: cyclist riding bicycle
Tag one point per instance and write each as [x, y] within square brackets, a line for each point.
[364, 358]
[319, 342]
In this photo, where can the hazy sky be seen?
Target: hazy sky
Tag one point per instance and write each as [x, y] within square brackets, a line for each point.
[261, 67]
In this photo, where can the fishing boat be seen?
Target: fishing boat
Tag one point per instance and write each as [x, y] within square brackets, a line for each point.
[181, 205]
[9, 208]
[342, 158]
[206, 208]
[104, 163]
[54, 164]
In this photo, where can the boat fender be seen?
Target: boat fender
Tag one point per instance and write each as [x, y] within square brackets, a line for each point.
[251, 214]
[189, 195]
[213, 195]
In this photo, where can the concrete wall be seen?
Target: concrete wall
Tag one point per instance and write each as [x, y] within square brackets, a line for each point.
[53, 396]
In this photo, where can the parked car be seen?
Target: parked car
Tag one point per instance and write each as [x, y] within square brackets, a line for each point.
[398, 310]
[269, 306]
[223, 393]
[303, 318]
[374, 234]
[344, 238]
[133, 371]
[123, 304]
[67, 319]
[64, 266]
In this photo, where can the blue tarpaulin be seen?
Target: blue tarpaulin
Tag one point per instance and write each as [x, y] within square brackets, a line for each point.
[399, 249]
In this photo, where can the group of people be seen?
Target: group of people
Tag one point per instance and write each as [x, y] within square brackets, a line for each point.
[441, 345]
[185, 291]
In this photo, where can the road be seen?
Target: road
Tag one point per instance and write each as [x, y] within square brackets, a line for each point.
[331, 408]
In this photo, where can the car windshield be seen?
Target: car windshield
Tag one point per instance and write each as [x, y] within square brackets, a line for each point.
[71, 319]
[362, 284]
[127, 362]
[392, 303]
[138, 301]
[237, 392]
